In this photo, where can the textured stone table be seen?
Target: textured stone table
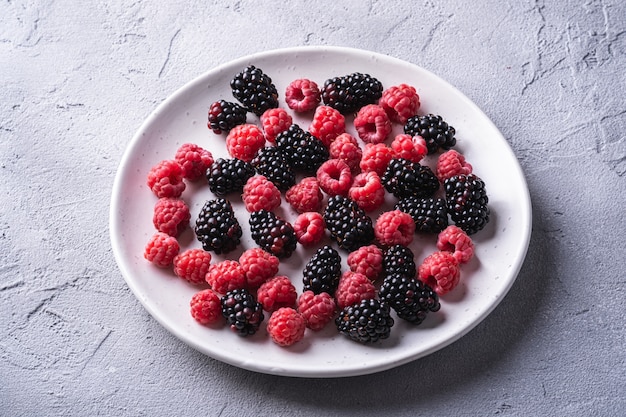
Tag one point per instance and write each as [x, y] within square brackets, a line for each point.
[78, 78]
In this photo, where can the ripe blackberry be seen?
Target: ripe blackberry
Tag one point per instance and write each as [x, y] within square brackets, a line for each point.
[351, 92]
[272, 233]
[224, 115]
[429, 214]
[368, 321]
[272, 164]
[435, 131]
[217, 227]
[399, 260]
[467, 202]
[228, 175]
[408, 297]
[347, 223]
[404, 178]
[322, 272]
[243, 313]
[254, 90]
[304, 152]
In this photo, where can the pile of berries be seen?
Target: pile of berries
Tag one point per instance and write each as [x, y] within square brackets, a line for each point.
[360, 199]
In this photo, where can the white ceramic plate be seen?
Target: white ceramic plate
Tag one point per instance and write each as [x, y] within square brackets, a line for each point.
[500, 247]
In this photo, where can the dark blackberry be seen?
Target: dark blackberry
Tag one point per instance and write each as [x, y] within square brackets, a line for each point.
[408, 297]
[429, 214]
[404, 178]
[467, 202]
[304, 152]
[224, 115]
[228, 175]
[254, 90]
[322, 272]
[349, 93]
[243, 313]
[399, 260]
[368, 321]
[435, 131]
[217, 227]
[271, 163]
[272, 234]
[347, 223]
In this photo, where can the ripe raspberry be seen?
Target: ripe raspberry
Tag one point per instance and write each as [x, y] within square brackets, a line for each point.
[194, 161]
[302, 95]
[309, 228]
[368, 191]
[400, 102]
[259, 193]
[206, 307]
[276, 293]
[275, 121]
[305, 196]
[367, 260]
[165, 179]
[346, 148]
[334, 177]
[317, 309]
[394, 228]
[453, 239]
[353, 288]
[372, 124]
[327, 124]
[286, 326]
[440, 271]
[409, 147]
[171, 216]
[244, 141]
[226, 276]
[161, 249]
[375, 158]
[192, 265]
[450, 164]
[258, 266]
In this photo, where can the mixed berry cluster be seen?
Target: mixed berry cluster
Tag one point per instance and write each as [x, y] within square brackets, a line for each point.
[358, 198]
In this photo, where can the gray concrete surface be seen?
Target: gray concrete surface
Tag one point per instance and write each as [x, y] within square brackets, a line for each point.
[78, 78]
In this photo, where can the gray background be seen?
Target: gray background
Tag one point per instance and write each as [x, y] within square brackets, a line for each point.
[78, 78]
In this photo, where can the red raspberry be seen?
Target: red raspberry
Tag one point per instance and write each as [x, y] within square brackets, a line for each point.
[409, 147]
[394, 228]
[194, 161]
[334, 177]
[346, 148]
[367, 260]
[276, 293]
[453, 239]
[327, 124]
[286, 326]
[206, 307]
[305, 196]
[450, 164]
[440, 271]
[161, 249]
[192, 265]
[400, 102]
[274, 121]
[375, 158]
[259, 193]
[302, 95]
[244, 141]
[317, 309]
[309, 228]
[353, 287]
[368, 191]
[165, 179]
[258, 266]
[372, 124]
[226, 276]
[171, 216]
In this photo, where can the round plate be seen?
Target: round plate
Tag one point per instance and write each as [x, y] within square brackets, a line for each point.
[500, 247]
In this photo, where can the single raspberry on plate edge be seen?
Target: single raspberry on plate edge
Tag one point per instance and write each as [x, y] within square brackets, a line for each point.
[206, 307]
[171, 216]
[317, 309]
[440, 271]
[165, 179]
[454, 239]
[277, 292]
[194, 161]
[286, 326]
[161, 250]
[192, 265]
